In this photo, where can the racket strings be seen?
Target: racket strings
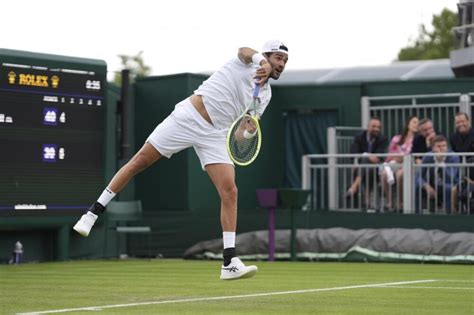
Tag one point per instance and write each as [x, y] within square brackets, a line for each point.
[241, 148]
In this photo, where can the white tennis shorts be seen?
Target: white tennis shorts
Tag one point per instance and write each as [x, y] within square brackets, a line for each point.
[185, 128]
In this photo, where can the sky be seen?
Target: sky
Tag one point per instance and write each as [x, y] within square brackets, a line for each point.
[200, 35]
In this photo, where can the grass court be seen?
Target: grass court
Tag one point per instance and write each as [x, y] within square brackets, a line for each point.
[193, 287]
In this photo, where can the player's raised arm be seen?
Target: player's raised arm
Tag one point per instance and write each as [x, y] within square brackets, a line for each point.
[245, 54]
[248, 55]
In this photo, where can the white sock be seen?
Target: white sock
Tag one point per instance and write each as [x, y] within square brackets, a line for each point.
[229, 239]
[106, 196]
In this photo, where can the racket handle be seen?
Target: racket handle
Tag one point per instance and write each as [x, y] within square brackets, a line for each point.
[256, 90]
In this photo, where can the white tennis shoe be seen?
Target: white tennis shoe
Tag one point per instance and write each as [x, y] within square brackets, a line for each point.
[237, 270]
[85, 223]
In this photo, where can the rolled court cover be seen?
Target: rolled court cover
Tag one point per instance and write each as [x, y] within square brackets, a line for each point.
[341, 244]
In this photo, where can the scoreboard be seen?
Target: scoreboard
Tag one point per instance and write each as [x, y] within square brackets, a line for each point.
[52, 133]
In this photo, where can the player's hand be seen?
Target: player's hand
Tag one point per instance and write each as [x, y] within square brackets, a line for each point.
[247, 124]
[250, 126]
[246, 130]
[263, 73]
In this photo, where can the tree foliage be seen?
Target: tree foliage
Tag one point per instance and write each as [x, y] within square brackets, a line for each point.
[435, 44]
[136, 65]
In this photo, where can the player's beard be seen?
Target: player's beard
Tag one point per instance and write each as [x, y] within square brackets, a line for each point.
[275, 74]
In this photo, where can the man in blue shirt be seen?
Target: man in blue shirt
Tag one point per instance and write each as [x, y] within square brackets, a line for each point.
[435, 182]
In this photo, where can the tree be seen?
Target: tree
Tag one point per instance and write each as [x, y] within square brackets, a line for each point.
[436, 44]
[136, 65]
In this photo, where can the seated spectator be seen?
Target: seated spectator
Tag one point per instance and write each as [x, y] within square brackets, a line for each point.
[367, 142]
[392, 171]
[422, 141]
[434, 184]
[462, 140]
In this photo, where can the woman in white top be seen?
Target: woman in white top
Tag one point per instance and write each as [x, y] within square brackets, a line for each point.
[201, 121]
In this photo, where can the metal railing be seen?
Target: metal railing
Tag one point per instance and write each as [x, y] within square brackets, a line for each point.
[329, 177]
[340, 138]
[393, 111]
[393, 116]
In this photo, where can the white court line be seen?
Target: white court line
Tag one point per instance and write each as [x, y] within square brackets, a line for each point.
[417, 287]
[455, 280]
[216, 298]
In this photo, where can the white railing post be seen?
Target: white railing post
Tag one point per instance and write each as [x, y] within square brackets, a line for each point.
[465, 104]
[305, 173]
[364, 111]
[332, 172]
[408, 180]
[332, 141]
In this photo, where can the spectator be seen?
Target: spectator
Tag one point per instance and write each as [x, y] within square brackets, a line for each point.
[400, 145]
[422, 141]
[463, 141]
[436, 182]
[368, 142]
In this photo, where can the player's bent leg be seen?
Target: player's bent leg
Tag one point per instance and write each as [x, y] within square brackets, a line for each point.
[145, 157]
[223, 177]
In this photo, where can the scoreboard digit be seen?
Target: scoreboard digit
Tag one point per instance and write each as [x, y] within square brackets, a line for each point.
[52, 132]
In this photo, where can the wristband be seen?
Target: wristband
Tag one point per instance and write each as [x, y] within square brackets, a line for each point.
[257, 58]
[249, 135]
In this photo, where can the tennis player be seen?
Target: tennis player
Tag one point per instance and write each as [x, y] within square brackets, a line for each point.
[201, 121]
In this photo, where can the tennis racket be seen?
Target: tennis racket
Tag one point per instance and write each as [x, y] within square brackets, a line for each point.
[244, 137]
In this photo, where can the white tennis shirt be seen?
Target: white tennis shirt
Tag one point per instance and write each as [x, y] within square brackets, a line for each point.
[228, 92]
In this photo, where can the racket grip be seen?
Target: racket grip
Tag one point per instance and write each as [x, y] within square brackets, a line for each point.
[256, 90]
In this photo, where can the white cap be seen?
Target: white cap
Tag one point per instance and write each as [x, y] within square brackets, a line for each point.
[274, 46]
